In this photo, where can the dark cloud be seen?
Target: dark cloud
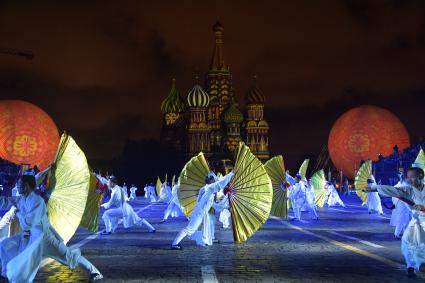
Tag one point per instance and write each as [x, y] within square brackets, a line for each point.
[101, 68]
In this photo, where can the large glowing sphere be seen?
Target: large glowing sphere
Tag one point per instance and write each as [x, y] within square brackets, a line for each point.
[363, 133]
[27, 134]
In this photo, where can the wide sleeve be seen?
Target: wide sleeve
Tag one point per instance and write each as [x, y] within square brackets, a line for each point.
[102, 180]
[33, 216]
[108, 204]
[223, 182]
[389, 191]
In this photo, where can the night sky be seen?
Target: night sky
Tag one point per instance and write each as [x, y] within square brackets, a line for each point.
[102, 68]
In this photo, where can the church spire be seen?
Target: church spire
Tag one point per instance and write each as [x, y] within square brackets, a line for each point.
[217, 60]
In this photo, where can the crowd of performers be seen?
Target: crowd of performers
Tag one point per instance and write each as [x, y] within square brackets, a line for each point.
[21, 253]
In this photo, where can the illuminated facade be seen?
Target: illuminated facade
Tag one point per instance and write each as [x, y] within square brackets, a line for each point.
[209, 119]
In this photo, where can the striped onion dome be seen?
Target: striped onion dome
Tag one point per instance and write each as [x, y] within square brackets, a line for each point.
[232, 115]
[255, 95]
[173, 103]
[197, 97]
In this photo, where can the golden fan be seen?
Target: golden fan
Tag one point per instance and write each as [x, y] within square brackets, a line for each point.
[250, 195]
[303, 169]
[360, 181]
[276, 170]
[70, 184]
[91, 215]
[191, 180]
[318, 180]
[158, 188]
[420, 159]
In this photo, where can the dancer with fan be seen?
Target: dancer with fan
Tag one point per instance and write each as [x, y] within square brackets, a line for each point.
[47, 229]
[413, 240]
[204, 203]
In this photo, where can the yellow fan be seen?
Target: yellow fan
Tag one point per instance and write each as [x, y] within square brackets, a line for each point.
[276, 170]
[360, 181]
[318, 180]
[420, 159]
[158, 188]
[91, 215]
[70, 184]
[250, 195]
[303, 169]
[191, 180]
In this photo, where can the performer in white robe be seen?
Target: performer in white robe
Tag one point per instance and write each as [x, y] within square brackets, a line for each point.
[332, 196]
[133, 191]
[401, 214]
[298, 196]
[374, 203]
[173, 208]
[118, 209]
[166, 193]
[22, 253]
[202, 207]
[150, 193]
[125, 190]
[413, 240]
[206, 236]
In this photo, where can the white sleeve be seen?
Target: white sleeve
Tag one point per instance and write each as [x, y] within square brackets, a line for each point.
[389, 191]
[223, 182]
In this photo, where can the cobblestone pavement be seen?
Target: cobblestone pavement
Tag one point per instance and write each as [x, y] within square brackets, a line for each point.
[344, 245]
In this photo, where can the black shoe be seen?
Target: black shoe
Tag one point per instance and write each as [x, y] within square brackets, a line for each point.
[95, 277]
[411, 272]
[215, 241]
[105, 233]
[176, 247]
[152, 231]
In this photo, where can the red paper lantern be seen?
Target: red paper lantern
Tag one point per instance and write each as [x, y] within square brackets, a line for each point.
[363, 133]
[27, 134]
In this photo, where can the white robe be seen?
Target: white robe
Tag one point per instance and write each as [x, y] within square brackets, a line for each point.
[206, 236]
[20, 254]
[401, 214]
[133, 191]
[151, 194]
[173, 209]
[166, 194]
[298, 196]
[204, 204]
[333, 197]
[117, 208]
[413, 240]
[374, 203]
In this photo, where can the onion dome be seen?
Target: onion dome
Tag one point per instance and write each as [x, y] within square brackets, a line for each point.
[197, 97]
[263, 124]
[173, 103]
[255, 95]
[232, 115]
